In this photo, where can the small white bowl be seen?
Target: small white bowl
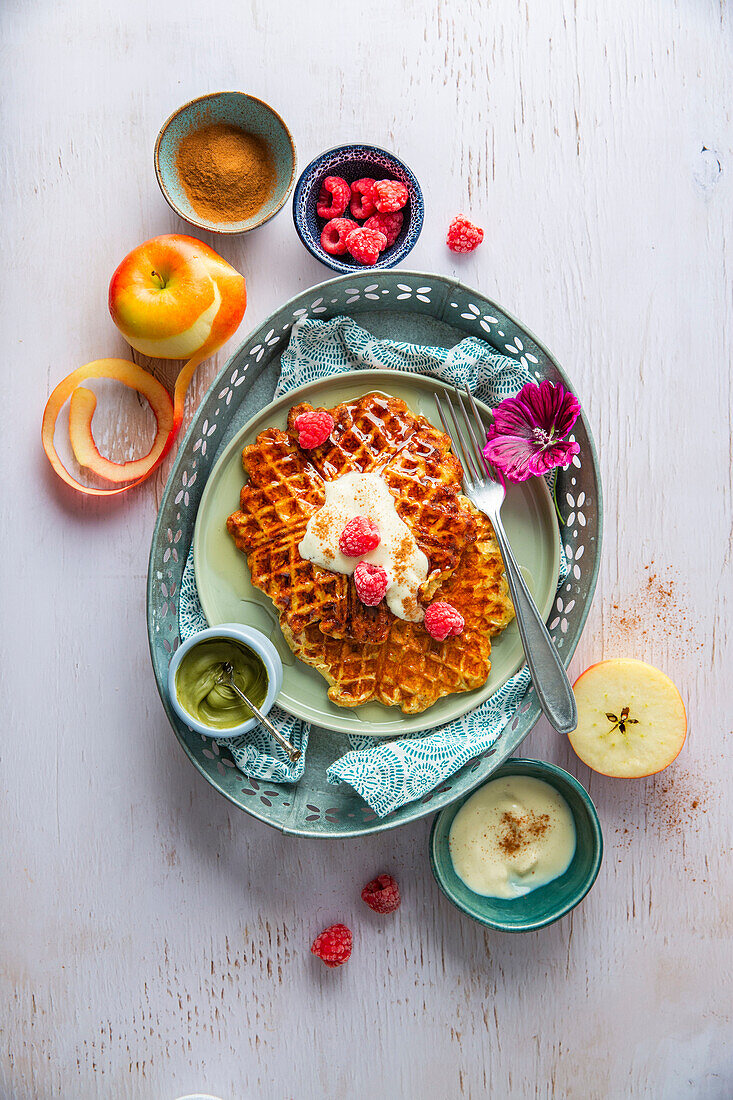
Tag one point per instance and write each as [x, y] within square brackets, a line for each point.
[257, 642]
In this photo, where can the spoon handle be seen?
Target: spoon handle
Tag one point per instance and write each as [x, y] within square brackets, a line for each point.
[293, 753]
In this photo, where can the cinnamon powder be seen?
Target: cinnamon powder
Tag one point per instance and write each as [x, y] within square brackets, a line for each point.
[519, 832]
[227, 173]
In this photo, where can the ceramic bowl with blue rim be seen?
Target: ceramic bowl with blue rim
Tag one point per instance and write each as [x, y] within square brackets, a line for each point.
[236, 109]
[546, 904]
[353, 162]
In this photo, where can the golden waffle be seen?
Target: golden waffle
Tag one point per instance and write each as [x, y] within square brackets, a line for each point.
[412, 670]
[284, 490]
[366, 652]
[351, 667]
[381, 434]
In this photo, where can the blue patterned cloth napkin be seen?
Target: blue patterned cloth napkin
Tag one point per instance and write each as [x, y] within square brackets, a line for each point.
[387, 774]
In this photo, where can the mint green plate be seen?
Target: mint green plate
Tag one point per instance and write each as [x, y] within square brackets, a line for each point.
[548, 903]
[227, 594]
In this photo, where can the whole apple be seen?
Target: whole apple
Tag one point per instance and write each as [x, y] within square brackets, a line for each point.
[173, 297]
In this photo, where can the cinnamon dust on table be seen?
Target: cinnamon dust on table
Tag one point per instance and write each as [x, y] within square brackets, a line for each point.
[227, 173]
[656, 610]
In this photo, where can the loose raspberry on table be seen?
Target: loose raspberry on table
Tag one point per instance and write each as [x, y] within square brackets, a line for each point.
[366, 244]
[389, 196]
[371, 583]
[382, 894]
[335, 232]
[362, 204]
[389, 224]
[463, 235]
[334, 197]
[443, 621]
[333, 945]
[359, 536]
[313, 428]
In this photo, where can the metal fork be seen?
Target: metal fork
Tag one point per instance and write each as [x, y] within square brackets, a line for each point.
[486, 491]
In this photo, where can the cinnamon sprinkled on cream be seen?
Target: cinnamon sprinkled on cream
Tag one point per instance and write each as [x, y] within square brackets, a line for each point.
[514, 834]
[357, 494]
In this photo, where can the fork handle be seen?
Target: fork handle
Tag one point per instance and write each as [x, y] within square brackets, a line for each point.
[548, 674]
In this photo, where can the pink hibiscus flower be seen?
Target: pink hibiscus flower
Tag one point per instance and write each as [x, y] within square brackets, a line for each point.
[526, 438]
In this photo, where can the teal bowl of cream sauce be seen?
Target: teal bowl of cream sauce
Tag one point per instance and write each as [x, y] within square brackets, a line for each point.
[520, 852]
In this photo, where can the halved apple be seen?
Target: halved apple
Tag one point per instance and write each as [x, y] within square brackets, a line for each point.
[631, 718]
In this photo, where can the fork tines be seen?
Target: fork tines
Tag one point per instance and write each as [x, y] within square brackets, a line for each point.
[476, 469]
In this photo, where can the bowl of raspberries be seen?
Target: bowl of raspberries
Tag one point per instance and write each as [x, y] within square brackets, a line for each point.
[357, 206]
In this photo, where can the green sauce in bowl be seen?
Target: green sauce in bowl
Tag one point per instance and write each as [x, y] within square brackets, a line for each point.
[217, 705]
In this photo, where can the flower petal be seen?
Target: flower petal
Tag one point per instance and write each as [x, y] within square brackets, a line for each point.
[567, 413]
[512, 454]
[540, 403]
[558, 454]
[549, 406]
[511, 417]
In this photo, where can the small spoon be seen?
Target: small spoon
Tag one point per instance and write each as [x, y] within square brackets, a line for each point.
[227, 677]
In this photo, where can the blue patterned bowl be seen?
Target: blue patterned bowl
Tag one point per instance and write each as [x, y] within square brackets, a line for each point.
[546, 904]
[237, 109]
[351, 162]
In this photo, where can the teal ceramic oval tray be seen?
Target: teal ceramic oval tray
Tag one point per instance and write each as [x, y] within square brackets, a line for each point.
[401, 305]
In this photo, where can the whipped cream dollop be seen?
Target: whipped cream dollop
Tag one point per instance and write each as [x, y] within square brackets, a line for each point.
[357, 494]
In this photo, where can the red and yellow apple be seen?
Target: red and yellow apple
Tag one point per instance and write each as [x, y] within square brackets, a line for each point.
[631, 718]
[173, 297]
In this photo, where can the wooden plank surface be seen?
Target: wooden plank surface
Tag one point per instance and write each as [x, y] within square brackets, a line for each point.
[155, 940]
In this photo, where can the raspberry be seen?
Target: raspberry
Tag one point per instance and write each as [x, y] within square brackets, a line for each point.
[443, 621]
[335, 232]
[463, 236]
[389, 224]
[371, 583]
[359, 536]
[366, 244]
[333, 945]
[362, 204]
[389, 196]
[313, 428]
[334, 197]
[382, 894]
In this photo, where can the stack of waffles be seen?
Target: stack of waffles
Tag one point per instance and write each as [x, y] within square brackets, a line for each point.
[367, 653]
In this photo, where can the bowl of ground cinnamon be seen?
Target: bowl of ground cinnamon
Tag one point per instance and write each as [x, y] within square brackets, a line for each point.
[225, 162]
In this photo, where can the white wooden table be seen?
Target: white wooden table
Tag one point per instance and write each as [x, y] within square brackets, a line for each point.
[154, 939]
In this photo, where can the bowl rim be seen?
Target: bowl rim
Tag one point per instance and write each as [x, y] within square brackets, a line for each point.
[254, 639]
[322, 256]
[220, 227]
[517, 765]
